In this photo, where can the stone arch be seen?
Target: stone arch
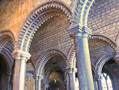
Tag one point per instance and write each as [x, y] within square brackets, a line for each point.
[71, 54]
[6, 48]
[102, 61]
[36, 18]
[7, 40]
[81, 12]
[106, 39]
[43, 59]
[5, 36]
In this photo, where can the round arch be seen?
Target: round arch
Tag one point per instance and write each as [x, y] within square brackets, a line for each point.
[43, 59]
[102, 61]
[81, 11]
[7, 47]
[5, 36]
[36, 18]
[71, 54]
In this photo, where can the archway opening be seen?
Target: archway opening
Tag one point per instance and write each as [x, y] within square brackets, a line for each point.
[110, 73]
[54, 73]
[4, 78]
[55, 81]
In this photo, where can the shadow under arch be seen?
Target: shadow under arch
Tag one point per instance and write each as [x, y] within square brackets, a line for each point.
[6, 35]
[44, 57]
[7, 40]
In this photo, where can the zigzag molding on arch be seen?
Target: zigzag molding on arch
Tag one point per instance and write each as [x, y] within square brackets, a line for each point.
[36, 18]
[71, 54]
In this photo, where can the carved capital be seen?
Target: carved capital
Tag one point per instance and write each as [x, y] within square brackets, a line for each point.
[71, 70]
[98, 77]
[39, 77]
[21, 55]
[79, 31]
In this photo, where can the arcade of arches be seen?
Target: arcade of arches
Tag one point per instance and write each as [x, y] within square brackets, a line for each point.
[59, 45]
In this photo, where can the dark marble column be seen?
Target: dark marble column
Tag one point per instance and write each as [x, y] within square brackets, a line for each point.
[80, 35]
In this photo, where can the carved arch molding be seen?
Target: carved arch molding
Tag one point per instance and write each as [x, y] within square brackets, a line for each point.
[72, 58]
[36, 19]
[7, 40]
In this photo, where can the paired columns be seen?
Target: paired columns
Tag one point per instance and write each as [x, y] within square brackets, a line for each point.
[20, 69]
[80, 35]
[71, 76]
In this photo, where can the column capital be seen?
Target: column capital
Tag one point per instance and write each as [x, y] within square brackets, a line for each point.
[39, 77]
[21, 55]
[71, 70]
[79, 31]
[98, 77]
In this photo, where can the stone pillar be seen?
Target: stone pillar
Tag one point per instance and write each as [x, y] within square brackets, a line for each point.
[38, 82]
[81, 35]
[67, 80]
[20, 69]
[71, 73]
[46, 87]
[98, 78]
[99, 82]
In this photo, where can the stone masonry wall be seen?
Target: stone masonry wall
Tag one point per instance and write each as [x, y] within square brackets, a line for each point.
[51, 35]
[104, 18]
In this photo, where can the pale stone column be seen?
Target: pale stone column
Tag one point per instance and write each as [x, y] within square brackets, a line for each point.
[71, 73]
[81, 35]
[20, 69]
[99, 81]
[38, 82]
[67, 80]
[46, 87]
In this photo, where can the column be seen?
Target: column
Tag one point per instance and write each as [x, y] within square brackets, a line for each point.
[98, 78]
[46, 87]
[20, 69]
[80, 35]
[99, 81]
[71, 73]
[38, 82]
[67, 80]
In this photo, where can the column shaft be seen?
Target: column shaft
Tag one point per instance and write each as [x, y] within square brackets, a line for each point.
[22, 75]
[72, 81]
[20, 69]
[83, 63]
[99, 84]
[16, 75]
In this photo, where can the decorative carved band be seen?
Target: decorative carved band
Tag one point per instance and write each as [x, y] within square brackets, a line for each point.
[36, 19]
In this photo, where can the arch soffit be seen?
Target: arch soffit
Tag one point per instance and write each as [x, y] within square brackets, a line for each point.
[43, 59]
[6, 35]
[5, 51]
[36, 18]
[71, 54]
[106, 39]
[99, 65]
